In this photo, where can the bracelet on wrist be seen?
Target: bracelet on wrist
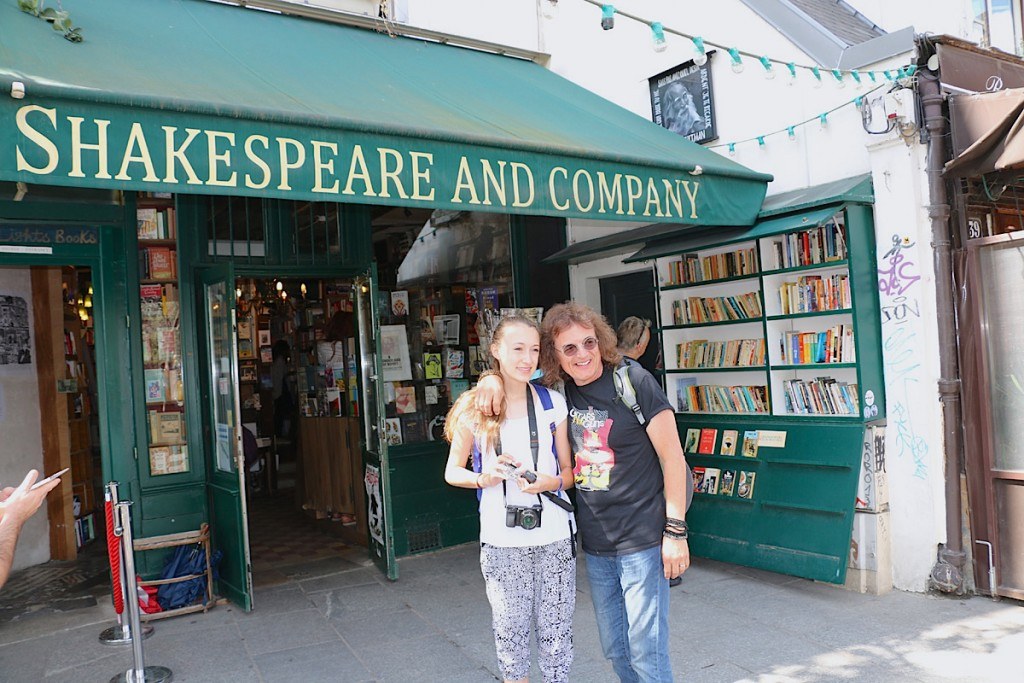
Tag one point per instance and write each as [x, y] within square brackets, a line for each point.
[479, 480]
[487, 373]
[679, 536]
[561, 483]
[672, 521]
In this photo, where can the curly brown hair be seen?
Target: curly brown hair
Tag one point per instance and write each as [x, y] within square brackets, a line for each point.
[561, 318]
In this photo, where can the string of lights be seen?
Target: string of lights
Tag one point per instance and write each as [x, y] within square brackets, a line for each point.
[770, 65]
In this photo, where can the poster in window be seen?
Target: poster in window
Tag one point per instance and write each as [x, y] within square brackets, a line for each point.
[394, 347]
[681, 100]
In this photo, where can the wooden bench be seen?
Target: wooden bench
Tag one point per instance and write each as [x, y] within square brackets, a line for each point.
[200, 537]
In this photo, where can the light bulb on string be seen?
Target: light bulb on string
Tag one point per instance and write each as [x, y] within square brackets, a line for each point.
[855, 75]
[858, 102]
[701, 56]
[607, 17]
[887, 74]
[838, 75]
[769, 72]
[817, 76]
[732, 149]
[871, 75]
[791, 131]
[792, 73]
[302, 288]
[737, 60]
[238, 292]
[279, 286]
[549, 9]
[823, 120]
[658, 37]
[760, 141]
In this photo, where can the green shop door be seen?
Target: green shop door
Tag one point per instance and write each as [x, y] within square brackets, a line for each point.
[222, 433]
[377, 471]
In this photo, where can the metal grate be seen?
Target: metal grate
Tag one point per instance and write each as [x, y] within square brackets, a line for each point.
[423, 535]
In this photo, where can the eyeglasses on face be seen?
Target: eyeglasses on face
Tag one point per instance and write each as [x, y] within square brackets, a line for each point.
[588, 344]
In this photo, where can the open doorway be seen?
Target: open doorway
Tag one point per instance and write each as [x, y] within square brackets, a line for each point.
[49, 419]
[300, 413]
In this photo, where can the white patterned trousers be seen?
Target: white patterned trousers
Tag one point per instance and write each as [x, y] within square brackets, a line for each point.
[532, 587]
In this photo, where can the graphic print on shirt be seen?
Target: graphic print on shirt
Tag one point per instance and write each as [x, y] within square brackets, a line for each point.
[594, 457]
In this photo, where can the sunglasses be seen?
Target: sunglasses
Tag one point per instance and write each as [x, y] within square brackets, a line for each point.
[570, 350]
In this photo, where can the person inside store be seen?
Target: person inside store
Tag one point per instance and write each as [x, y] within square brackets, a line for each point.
[630, 483]
[527, 552]
[634, 334]
[284, 404]
[16, 506]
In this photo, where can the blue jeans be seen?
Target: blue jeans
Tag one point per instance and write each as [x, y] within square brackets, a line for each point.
[630, 594]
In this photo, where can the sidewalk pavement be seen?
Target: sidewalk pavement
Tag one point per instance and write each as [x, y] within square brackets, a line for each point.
[728, 623]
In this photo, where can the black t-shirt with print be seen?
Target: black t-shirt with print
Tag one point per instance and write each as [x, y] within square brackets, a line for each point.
[619, 484]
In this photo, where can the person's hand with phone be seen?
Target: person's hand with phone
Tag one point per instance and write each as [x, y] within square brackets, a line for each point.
[16, 506]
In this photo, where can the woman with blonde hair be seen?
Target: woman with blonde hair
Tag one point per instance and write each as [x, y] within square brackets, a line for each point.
[526, 544]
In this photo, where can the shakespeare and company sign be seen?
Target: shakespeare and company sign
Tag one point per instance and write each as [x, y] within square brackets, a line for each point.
[87, 145]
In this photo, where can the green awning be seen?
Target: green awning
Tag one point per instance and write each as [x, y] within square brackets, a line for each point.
[781, 213]
[202, 97]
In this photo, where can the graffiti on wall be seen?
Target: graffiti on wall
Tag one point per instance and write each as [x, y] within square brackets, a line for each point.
[901, 309]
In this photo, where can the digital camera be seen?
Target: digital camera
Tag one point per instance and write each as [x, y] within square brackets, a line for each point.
[525, 517]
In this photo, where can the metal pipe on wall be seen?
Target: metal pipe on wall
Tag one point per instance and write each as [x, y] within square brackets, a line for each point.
[947, 575]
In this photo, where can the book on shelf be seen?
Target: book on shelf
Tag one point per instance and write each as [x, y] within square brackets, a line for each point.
[692, 440]
[708, 437]
[693, 268]
[711, 480]
[834, 345]
[432, 366]
[728, 482]
[821, 396]
[168, 459]
[729, 440]
[393, 431]
[749, 449]
[159, 263]
[405, 399]
[745, 484]
[683, 385]
[148, 227]
[812, 293]
[698, 478]
[822, 244]
[695, 309]
[454, 363]
[733, 353]
[712, 398]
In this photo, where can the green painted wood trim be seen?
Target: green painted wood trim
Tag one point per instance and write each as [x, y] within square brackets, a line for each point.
[705, 283]
[811, 314]
[867, 315]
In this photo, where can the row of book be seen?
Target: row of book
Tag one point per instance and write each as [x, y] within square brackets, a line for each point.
[701, 353]
[821, 396]
[815, 293]
[713, 398]
[718, 482]
[822, 244]
[158, 263]
[697, 309]
[159, 302]
[85, 529]
[834, 345]
[703, 440]
[157, 224]
[692, 268]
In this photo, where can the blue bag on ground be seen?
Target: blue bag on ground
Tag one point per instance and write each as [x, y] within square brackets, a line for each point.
[183, 561]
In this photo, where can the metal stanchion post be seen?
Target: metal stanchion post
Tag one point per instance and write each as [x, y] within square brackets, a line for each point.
[121, 634]
[139, 673]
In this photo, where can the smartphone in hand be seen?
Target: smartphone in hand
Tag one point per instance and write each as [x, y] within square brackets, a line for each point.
[48, 479]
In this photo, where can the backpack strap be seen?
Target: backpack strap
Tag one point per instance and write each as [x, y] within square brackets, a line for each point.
[545, 396]
[625, 392]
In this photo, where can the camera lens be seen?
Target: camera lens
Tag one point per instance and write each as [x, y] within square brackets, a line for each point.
[529, 519]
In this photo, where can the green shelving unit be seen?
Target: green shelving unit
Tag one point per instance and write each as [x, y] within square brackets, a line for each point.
[802, 481]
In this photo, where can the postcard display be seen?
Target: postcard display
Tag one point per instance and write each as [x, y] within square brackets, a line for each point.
[161, 334]
[772, 359]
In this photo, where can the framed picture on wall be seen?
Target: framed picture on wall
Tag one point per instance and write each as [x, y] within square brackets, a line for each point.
[681, 100]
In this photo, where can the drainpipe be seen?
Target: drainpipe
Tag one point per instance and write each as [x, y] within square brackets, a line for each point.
[947, 575]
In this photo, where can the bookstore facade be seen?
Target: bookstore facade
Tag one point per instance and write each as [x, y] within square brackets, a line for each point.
[266, 289]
